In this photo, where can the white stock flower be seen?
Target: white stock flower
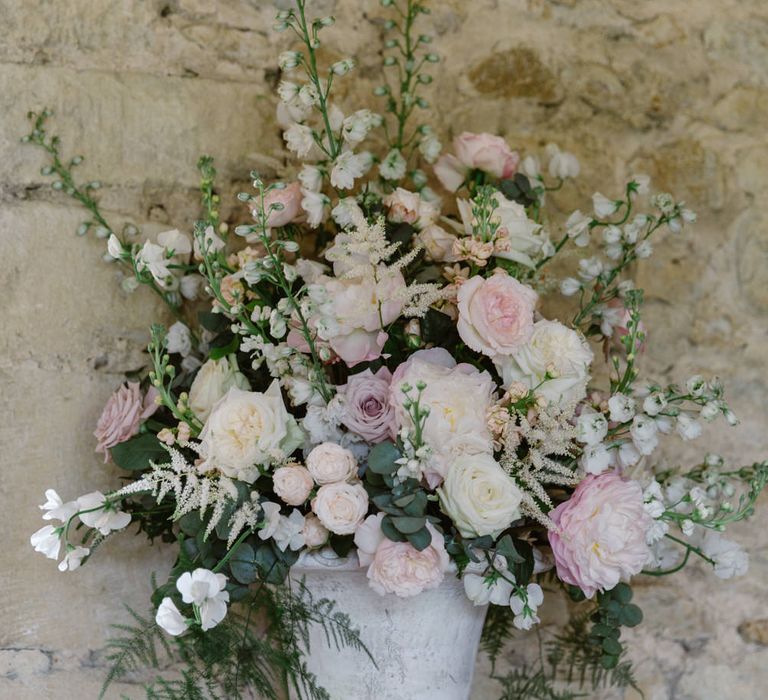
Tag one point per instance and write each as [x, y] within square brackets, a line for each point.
[654, 403]
[247, 429]
[591, 427]
[56, 509]
[212, 381]
[430, 147]
[73, 558]
[479, 496]
[170, 619]
[190, 286]
[590, 268]
[205, 590]
[348, 167]
[47, 540]
[103, 516]
[603, 207]
[622, 408]
[179, 339]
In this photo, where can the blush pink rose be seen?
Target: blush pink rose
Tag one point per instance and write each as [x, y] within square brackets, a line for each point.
[408, 207]
[600, 536]
[398, 567]
[290, 197]
[367, 410]
[485, 152]
[124, 412]
[495, 314]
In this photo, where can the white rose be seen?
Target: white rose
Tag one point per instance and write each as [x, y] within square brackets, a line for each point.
[315, 533]
[329, 463]
[341, 507]
[292, 485]
[247, 429]
[458, 398]
[556, 348]
[479, 497]
[214, 379]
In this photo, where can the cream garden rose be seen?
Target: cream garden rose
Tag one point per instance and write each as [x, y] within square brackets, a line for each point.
[247, 429]
[553, 348]
[479, 496]
[314, 532]
[329, 463]
[214, 379]
[398, 567]
[292, 484]
[341, 507]
[495, 314]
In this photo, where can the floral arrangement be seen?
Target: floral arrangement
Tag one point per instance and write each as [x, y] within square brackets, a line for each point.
[364, 365]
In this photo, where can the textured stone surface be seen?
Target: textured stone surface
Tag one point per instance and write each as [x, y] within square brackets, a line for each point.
[143, 87]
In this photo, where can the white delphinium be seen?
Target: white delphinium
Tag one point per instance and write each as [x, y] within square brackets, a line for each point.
[393, 166]
[596, 458]
[347, 213]
[311, 178]
[622, 408]
[314, 204]
[299, 138]
[654, 403]
[179, 339]
[591, 427]
[348, 167]
[356, 126]
[688, 428]
[204, 590]
[288, 60]
[429, 145]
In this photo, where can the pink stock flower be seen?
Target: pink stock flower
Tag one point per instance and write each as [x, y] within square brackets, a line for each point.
[600, 535]
[495, 314]
[367, 410]
[485, 152]
[398, 567]
[123, 414]
[290, 197]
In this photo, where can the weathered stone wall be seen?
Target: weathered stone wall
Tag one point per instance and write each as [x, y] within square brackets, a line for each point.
[677, 89]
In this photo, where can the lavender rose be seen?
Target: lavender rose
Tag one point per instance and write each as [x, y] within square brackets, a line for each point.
[124, 412]
[600, 538]
[367, 410]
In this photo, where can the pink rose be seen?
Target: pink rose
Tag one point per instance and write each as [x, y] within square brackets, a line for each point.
[495, 314]
[398, 567]
[485, 152]
[600, 538]
[292, 484]
[408, 207]
[290, 197]
[126, 409]
[367, 410]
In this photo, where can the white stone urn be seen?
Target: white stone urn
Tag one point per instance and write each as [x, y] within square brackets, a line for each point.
[424, 646]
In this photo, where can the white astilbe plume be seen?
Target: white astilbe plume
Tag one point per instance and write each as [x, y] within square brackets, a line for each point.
[193, 491]
[550, 434]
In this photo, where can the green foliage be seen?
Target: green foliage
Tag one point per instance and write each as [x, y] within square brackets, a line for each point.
[258, 649]
[135, 454]
[531, 684]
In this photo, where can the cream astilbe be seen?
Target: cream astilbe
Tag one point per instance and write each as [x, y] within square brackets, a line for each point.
[547, 435]
[193, 491]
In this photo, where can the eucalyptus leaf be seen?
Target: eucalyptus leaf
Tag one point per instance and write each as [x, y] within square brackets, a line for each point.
[136, 453]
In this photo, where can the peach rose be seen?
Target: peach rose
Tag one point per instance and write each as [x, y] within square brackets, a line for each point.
[485, 152]
[341, 507]
[398, 567]
[124, 412]
[495, 314]
[292, 484]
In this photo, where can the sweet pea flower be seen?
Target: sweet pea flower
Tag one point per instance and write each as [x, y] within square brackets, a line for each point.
[103, 516]
[170, 619]
[205, 590]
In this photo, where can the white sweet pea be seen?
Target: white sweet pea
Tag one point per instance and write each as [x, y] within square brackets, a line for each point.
[56, 509]
[349, 167]
[603, 207]
[561, 163]
[591, 427]
[289, 533]
[569, 286]
[205, 590]
[577, 228]
[730, 560]
[481, 592]
[627, 456]
[271, 520]
[688, 428]
[524, 607]
[73, 558]
[47, 540]
[621, 407]
[170, 619]
[103, 516]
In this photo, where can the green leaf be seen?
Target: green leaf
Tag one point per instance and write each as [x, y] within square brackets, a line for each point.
[390, 531]
[190, 523]
[609, 662]
[506, 547]
[611, 646]
[622, 592]
[404, 500]
[408, 525]
[421, 539]
[135, 454]
[215, 323]
[418, 505]
[231, 345]
[381, 459]
[342, 544]
[631, 615]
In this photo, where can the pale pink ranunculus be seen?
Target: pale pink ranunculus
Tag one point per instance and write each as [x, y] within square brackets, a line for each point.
[292, 484]
[485, 152]
[408, 207]
[124, 412]
[290, 197]
[495, 314]
[600, 535]
[367, 409]
[398, 567]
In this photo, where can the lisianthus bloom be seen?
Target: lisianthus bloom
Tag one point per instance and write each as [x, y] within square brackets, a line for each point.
[123, 414]
[553, 350]
[398, 567]
[495, 314]
[485, 152]
[600, 535]
[367, 410]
